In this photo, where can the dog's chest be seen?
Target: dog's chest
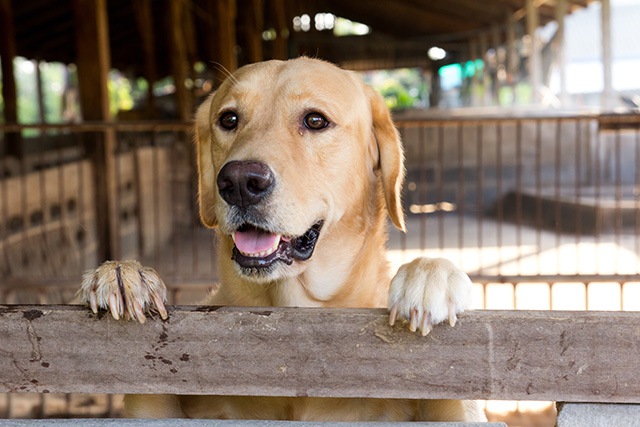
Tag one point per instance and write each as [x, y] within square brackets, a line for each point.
[297, 409]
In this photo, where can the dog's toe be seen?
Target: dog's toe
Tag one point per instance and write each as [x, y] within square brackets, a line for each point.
[126, 289]
[426, 292]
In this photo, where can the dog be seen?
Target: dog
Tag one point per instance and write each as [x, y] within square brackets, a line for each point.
[299, 164]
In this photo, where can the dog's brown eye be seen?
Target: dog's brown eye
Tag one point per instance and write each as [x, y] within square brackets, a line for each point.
[315, 121]
[229, 120]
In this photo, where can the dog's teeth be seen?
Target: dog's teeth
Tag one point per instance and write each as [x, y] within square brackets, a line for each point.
[264, 253]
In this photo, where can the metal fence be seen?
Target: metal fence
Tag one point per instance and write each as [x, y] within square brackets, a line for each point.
[541, 212]
[49, 208]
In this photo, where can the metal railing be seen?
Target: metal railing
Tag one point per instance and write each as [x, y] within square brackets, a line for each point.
[542, 212]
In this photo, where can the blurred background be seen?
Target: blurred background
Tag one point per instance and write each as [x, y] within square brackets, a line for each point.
[519, 119]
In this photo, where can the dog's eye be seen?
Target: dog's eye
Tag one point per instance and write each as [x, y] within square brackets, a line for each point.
[229, 120]
[315, 121]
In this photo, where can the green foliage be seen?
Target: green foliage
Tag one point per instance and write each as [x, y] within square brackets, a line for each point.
[120, 98]
[402, 88]
[122, 92]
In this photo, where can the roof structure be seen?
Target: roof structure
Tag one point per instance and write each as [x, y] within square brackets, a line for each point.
[402, 30]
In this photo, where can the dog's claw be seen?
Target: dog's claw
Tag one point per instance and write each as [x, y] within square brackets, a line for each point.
[453, 318]
[93, 302]
[139, 313]
[426, 324]
[162, 310]
[126, 289]
[413, 320]
[113, 306]
[393, 315]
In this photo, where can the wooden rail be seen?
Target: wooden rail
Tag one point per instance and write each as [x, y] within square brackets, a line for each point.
[514, 355]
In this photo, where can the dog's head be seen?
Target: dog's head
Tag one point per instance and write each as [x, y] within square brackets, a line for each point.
[288, 150]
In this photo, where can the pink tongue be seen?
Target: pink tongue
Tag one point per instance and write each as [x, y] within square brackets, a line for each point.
[254, 241]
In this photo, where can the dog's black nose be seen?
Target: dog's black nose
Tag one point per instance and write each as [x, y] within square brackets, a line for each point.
[245, 183]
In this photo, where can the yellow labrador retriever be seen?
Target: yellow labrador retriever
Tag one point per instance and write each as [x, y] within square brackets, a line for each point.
[299, 163]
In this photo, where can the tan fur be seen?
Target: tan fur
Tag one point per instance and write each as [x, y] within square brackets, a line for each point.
[348, 175]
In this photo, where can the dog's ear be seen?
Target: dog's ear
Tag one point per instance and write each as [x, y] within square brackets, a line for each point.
[206, 172]
[391, 157]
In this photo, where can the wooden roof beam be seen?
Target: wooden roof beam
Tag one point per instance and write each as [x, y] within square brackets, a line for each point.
[408, 17]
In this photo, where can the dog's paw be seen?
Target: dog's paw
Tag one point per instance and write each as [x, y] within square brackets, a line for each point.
[125, 288]
[428, 291]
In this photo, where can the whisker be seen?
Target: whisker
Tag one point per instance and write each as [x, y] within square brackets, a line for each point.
[225, 71]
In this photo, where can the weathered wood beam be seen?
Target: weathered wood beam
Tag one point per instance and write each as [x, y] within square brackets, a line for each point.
[514, 355]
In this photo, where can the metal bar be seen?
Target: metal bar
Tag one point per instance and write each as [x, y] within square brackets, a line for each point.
[636, 234]
[479, 195]
[553, 278]
[500, 197]
[607, 55]
[82, 235]
[557, 190]
[174, 239]
[424, 186]
[617, 227]
[519, 219]
[461, 195]
[440, 189]
[578, 190]
[538, 185]
[597, 189]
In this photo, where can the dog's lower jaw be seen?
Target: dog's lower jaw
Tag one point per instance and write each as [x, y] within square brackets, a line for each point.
[279, 259]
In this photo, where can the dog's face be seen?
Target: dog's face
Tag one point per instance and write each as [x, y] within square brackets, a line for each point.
[288, 150]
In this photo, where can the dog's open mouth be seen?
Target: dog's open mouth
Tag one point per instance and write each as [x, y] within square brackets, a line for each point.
[258, 248]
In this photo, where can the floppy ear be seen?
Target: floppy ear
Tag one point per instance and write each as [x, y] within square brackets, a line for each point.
[391, 161]
[206, 173]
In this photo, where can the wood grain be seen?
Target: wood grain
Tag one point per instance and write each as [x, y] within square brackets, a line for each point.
[515, 355]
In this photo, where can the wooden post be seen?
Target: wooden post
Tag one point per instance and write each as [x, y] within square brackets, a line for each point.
[92, 41]
[178, 59]
[144, 20]
[607, 57]
[9, 92]
[40, 93]
[486, 84]
[281, 46]
[512, 55]
[436, 93]
[227, 34]
[561, 12]
[497, 84]
[535, 63]
[473, 51]
[253, 30]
